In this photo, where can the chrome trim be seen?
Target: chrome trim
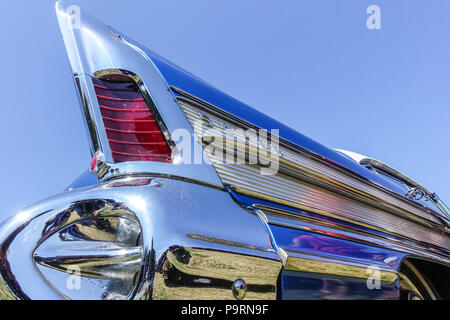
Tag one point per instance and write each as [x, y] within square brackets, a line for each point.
[101, 167]
[311, 185]
[95, 48]
[330, 205]
[327, 227]
[394, 173]
[192, 273]
[239, 289]
[178, 253]
[299, 162]
[440, 204]
[336, 267]
[416, 191]
[98, 142]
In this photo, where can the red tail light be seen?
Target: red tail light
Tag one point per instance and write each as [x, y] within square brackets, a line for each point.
[132, 131]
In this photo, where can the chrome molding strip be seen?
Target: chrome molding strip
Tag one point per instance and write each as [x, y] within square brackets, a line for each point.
[306, 183]
[335, 267]
[352, 232]
[327, 204]
[91, 111]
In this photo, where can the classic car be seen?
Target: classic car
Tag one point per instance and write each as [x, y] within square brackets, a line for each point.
[192, 194]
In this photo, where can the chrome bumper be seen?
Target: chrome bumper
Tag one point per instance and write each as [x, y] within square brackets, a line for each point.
[196, 241]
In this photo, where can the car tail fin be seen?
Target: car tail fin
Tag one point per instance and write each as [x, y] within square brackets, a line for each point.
[135, 124]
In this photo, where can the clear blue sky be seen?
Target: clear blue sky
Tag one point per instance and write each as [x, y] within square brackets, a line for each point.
[310, 64]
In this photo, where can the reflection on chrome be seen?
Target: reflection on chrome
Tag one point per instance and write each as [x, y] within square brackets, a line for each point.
[189, 273]
[102, 256]
[135, 242]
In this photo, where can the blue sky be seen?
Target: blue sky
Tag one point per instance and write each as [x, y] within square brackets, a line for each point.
[311, 64]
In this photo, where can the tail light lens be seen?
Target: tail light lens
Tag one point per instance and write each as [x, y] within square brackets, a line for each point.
[131, 128]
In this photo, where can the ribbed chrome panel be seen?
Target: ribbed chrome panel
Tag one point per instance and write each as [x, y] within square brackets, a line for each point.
[309, 184]
[315, 199]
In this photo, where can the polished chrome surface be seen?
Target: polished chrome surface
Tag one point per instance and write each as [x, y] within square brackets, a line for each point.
[411, 188]
[325, 265]
[369, 162]
[182, 235]
[99, 166]
[101, 255]
[415, 190]
[239, 289]
[329, 205]
[307, 184]
[94, 123]
[193, 273]
[319, 225]
[441, 205]
[95, 48]
[295, 161]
